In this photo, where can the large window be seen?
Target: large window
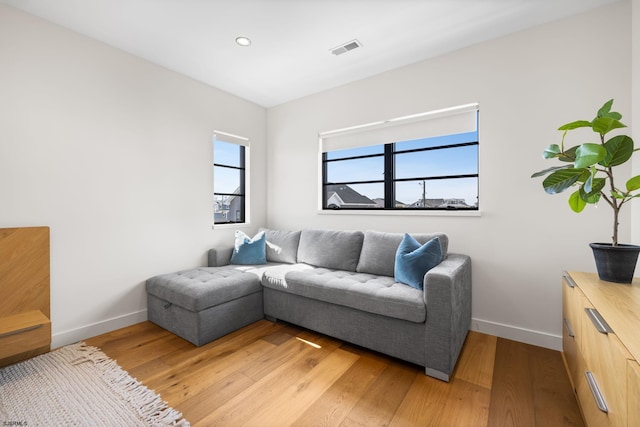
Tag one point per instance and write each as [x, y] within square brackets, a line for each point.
[229, 178]
[436, 172]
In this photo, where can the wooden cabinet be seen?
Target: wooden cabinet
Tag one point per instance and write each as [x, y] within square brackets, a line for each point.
[25, 328]
[571, 329]
[633, 391]
[601, 347]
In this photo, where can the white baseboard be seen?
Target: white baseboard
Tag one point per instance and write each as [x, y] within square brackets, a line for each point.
[78, 334]
[528, 336]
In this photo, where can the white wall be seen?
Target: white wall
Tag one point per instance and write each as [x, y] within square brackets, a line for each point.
[527, 84]
[114, 154]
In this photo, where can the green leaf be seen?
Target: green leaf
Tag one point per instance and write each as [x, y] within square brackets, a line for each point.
[576, 203]
[562, 179]
[619, 150]
[551, 169]
[594, 199]
[575, 125]
[605, 108]
[591, 198]
[634, 183]
[613, 115]
[605, 111]
[604, 125]
[592, 194]
[598, 185]
[552, 151]
[589, 154]
[568, 155]
[617, 195]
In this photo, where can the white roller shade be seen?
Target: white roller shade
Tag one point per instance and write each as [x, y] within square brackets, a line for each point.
[229, 137]
[447, 121]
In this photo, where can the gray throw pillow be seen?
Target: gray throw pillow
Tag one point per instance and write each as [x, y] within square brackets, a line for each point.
[282, 246]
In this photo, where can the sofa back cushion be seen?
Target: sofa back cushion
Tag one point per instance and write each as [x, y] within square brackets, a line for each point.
[379, 250]
[333, 249]
[282, 246]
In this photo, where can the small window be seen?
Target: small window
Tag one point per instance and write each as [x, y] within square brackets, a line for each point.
[438, 172]
[229, 179]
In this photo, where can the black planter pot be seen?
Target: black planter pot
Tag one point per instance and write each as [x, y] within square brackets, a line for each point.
[615, 263]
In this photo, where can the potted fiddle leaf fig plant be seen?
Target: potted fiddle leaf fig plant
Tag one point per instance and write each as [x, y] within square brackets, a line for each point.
[589, 169]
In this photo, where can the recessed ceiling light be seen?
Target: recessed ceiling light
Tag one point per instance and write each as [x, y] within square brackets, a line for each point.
[243, 41]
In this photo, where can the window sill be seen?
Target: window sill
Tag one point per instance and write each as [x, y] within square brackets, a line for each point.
[231, 225]
[401, 213]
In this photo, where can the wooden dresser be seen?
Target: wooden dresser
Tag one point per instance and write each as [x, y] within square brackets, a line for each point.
[25, 328]
[601, 347]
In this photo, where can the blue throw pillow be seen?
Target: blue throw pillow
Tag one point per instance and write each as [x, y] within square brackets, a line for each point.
[413, 260]
[249, 251]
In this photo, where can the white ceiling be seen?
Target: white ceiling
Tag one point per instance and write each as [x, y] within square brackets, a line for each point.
[290, 54]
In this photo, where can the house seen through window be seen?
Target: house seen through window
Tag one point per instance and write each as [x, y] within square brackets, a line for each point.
[229, 179]
[431, 173]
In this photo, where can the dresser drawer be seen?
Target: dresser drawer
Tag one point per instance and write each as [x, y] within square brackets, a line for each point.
[633, 393]
[602, 387]
[24, 332]
[572, 303]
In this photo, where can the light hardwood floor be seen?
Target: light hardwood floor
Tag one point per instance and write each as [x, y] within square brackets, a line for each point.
[277, 374]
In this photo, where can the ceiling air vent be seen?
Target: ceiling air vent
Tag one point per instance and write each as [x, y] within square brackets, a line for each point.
[353, 44]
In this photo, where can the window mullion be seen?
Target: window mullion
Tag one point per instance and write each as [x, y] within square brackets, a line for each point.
[242, 185]
[325, 177]
[389, 176]
[238, 168]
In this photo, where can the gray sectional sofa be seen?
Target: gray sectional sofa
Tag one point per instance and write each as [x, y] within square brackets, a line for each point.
[339, 283]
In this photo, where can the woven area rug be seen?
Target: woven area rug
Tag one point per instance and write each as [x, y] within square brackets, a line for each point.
[78, 385]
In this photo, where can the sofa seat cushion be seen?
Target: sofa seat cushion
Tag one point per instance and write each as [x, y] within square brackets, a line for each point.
[366, 292]
[200, 288]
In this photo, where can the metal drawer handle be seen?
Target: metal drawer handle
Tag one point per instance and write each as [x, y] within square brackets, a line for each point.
[568, 328]
[20, 331]
[596, 392]
[598, 321]
[568, 280]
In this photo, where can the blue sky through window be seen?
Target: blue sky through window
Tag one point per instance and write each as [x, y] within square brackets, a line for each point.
[430, 163]
[226, 180]
[226, 153]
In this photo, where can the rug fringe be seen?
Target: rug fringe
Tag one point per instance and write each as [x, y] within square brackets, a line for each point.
[150, 406]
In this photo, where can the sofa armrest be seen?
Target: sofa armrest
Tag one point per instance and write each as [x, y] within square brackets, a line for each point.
[447, 294]
[219, 256]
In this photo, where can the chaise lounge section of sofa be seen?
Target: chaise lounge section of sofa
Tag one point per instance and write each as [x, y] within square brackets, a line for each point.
[339, 283]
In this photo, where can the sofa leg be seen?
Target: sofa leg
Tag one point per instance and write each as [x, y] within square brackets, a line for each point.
[436, 374]
[271, 319]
